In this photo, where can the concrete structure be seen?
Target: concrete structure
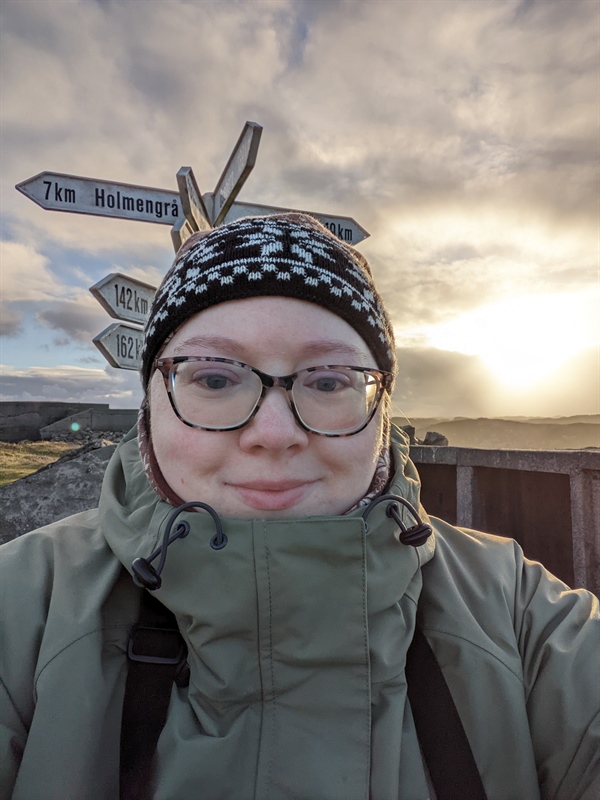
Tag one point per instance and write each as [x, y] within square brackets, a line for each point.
[549, 501]
[93, 419]
[25, 421]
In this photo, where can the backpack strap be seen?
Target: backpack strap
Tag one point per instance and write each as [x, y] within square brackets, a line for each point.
[441, 735]
[156, 652]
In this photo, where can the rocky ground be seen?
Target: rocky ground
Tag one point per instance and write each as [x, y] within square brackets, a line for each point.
[65, 487]
[87, 437]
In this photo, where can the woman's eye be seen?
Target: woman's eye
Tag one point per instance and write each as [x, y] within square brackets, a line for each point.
[214, 380]
[327, 382]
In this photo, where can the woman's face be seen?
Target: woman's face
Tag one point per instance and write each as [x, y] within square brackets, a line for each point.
[271, 467]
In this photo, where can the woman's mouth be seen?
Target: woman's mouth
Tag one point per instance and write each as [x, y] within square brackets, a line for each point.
[272, 495]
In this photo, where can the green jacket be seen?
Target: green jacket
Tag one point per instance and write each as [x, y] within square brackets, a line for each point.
[297, 634]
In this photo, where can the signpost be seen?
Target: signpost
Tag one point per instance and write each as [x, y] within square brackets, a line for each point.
[121, 345]
[187, 211]
[58, 192]
[124, 298]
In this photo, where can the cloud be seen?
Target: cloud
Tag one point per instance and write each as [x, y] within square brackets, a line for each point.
[368, 108]
[147, 273]
[434, 382]
[25, 273]
[33, 290]
[119, 388]
[10, 321]
[81, 318]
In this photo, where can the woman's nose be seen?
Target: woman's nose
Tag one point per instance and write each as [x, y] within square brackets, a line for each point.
[274, 426]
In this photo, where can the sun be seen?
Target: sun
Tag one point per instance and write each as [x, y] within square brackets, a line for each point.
[524, 340]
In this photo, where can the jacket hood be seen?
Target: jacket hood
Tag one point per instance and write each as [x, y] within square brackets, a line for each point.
[291, 615]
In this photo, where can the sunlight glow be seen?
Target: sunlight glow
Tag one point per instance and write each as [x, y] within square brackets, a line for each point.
[527, 339]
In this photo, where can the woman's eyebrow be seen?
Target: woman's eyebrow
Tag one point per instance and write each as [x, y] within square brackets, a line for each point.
[319, 347]
[326, 346]
[222, 343]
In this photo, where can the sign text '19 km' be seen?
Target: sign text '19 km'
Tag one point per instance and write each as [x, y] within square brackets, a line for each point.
[187, 211]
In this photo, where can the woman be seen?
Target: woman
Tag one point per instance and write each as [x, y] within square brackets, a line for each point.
[293, 582]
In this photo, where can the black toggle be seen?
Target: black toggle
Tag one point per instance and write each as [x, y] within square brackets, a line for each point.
[144, 574]
[414, 536]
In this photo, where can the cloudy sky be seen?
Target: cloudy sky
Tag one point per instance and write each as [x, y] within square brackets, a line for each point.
[462, 134]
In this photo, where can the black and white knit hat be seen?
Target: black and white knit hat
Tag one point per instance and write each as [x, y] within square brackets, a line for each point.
[285, 255]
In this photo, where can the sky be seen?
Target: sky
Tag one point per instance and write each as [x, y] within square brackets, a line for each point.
[462, 134]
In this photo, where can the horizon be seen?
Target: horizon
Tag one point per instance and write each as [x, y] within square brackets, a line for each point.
[393, 416]
[462, 136]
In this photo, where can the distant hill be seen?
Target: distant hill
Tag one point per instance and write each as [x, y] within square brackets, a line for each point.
[587, 419]
[514, 433]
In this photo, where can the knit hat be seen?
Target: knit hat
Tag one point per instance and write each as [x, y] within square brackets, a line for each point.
[281, 255]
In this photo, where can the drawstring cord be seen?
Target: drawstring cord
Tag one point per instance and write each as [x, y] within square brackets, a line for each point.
[148, 577]
[416, 535]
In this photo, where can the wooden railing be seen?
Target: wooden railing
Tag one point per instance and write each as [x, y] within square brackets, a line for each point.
[548, 500]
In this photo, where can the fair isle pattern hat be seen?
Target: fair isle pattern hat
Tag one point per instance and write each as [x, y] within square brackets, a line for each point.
[282, 255]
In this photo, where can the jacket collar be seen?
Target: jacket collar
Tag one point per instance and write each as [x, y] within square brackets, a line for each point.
[133, 517]
[297, 633]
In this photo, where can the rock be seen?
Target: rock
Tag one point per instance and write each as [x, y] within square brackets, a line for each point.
[432, 438]
[435, 439]
[113, 437]
[410, 432]
[67, 486]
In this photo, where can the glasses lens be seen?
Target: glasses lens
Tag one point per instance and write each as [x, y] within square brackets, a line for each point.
[335, 400]
[213, 394]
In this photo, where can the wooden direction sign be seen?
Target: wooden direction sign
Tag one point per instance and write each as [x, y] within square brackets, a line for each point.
[121, 345]
[124, 298]
[58, 192]
[345, 228]
[240, 165]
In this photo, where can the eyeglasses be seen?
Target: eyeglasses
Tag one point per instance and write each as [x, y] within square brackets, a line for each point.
[217, 394]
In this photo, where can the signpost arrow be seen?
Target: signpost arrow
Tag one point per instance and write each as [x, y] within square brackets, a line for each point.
[124, 298]
[191, 200]
[240, 165]
[345, 228]
[58, 192]
[121, 345]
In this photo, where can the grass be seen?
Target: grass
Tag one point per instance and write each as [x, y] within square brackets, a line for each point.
[18, 459]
